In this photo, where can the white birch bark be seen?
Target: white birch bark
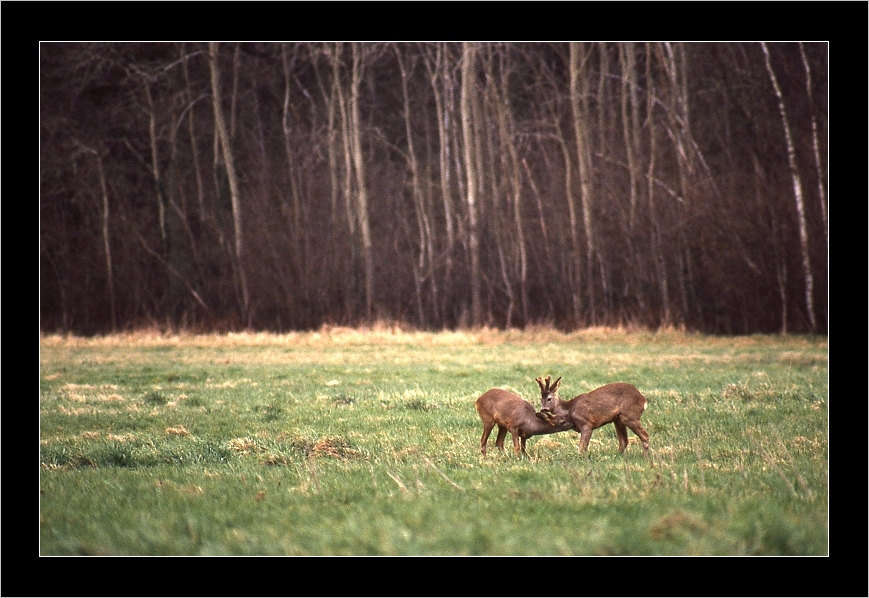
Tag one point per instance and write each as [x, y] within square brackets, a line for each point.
[361, 191]
[229, 164]
[110, 279]
[468, 145]
[798, 191]
[577, 72]
[816, 149]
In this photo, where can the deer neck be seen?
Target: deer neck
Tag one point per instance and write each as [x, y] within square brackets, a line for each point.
[561, 406]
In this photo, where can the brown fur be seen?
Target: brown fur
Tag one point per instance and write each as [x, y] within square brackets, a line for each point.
[514, 414]
[620, 403]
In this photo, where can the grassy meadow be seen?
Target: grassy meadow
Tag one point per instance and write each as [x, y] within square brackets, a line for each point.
[353, 442]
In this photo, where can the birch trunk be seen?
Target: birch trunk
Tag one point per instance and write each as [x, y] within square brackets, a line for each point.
[426, 250]
[798, 191]
[507, 129]
[630, 130]
[110, 279]
[437, 70]
[678, 118]
[574, 263]
[361, 192]
[816, 149]
[296, 232]
[194, 147]
[334, 52]
[468, 145]
[155, 170]
[577, 92]
[229, 164]
[657, 255]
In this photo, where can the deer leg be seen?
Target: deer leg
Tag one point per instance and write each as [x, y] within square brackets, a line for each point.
[622, 433]
[522, 445]
[517, 445]
[502, 433]
[585, 436]
[487, 429]
[638, 429]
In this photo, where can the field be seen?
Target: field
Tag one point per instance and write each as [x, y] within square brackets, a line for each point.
[350, 442]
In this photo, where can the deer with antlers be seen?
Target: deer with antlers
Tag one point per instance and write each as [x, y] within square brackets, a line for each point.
[511, 413]
[620, 403]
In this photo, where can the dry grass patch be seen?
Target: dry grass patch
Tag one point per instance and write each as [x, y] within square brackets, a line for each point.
[676, 523]
[274, 459]
[244, 446]
[87, 410]
[336, 447]
[129, 437]
[548, 444]
[178, 431]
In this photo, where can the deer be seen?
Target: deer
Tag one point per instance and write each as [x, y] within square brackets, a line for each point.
[514, 414]
[620, 403]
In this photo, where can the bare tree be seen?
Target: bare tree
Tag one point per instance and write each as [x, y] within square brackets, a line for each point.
[578, 60]
[296, 232]
[229, 165]
[507, 127]
[107, 247]
[631, 131]
[425, 266]
[110, 279]
[468, 144]
[816, 146]
[438, 71]
[657, 253]
[798, 191]
[361, 191]
[643, 177]
[191, 125]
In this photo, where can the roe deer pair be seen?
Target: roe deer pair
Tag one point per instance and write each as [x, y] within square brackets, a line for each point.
[620, 403]
[511, 413]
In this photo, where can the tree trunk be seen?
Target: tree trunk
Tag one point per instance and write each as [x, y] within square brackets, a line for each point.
[631, 132]
[110, 279]
[296, 232]
[438, 71]
[349, 202]
[229, 164]
[233, 102]
[657, 254]
[155, 169]
[507, 128]
[577, 101]
[798, 192]
[816, 149]
[604, 179]
[361, 192]
[468, 144]
[678, 120]
[194, 146]
[426, 251]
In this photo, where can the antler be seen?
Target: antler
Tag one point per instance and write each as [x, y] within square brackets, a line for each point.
[554, 386]
[546, 386]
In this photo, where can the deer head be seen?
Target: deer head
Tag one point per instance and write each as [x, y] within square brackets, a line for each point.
[549, 398]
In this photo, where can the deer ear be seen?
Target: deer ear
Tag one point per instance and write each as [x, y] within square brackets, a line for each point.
[540, 384]
[554, 386]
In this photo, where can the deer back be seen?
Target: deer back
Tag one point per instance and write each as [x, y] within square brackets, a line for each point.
[602, 405]
[511, 411]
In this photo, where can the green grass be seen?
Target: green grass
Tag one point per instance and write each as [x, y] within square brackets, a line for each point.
[347, 442]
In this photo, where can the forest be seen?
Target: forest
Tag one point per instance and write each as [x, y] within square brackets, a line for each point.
[287, 186]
